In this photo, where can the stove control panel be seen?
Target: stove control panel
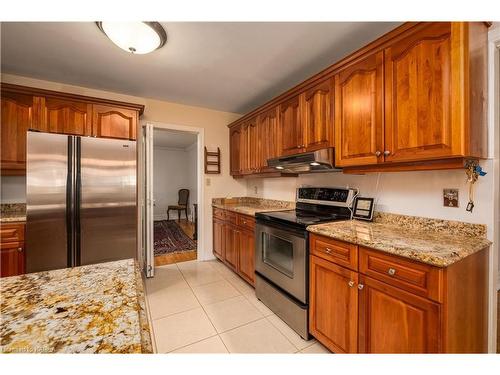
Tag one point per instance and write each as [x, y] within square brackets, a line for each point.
[326, 195]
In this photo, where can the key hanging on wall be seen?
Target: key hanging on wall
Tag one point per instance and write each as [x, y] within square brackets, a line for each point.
[473, 171]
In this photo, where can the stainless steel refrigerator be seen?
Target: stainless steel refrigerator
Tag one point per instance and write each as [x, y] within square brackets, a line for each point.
[81, 201]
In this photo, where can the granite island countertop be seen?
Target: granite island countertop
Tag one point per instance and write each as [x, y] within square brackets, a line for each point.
[97, 308]
[436, 242]
[250, 206]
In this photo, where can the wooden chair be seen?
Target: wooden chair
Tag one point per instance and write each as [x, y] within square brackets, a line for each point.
[182, 204]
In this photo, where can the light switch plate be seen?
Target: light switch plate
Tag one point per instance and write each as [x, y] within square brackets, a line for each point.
[207, 181]
[450, 197]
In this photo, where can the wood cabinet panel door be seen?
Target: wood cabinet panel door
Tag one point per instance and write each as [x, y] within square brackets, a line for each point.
[359, 126]
[114, 122]
[253, 146]
[318, 116]
[234, 144]
[333, 312]
[66, 117]
[418, 88]
[244, 149]
[18, 115]
[231, 246]
[218, 238]
[11, 259]
[246, 265]
[292, 139]
[394, 321]
[269, 135]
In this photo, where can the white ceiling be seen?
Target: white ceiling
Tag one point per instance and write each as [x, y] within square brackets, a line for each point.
[173, 139]
[232, 67]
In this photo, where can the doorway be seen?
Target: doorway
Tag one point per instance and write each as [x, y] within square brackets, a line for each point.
[172, 194]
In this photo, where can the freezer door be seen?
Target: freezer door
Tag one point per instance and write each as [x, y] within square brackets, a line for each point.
[47, 191]
[106, 197]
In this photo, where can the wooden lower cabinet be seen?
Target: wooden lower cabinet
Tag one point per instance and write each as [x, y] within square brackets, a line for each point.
[385, 303]
[392, 320]
[12, 250]
[246, 262]
[232, 246]
[234, 242]
[333, 313]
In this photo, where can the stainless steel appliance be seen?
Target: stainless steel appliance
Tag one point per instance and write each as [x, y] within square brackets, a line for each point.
[317, 161]
[81, 201]
[282, 251]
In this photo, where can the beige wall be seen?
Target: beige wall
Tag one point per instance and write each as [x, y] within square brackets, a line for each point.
[213, 122]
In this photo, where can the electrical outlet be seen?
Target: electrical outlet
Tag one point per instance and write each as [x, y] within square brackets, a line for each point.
[208, 182]
[450, 197]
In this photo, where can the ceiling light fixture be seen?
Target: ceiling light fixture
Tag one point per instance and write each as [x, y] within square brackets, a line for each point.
[135, 37]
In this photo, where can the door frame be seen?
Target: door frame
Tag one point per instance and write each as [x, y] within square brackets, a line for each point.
[200, 142]
[494, 154]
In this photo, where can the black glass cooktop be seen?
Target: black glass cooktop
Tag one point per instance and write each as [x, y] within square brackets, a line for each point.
[302, 218]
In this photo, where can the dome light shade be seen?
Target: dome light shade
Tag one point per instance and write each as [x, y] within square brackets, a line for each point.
[135, 37]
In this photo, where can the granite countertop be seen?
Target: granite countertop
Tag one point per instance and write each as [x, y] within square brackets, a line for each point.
[98, 308]
[436, 242]
[12, 212]
[250, 206]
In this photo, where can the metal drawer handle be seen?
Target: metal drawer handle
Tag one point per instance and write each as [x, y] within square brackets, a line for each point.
[328, 250]
[360, 286]
[351, 284]
[387, 153]
[20, 249]
[391, 271]
[378, 153]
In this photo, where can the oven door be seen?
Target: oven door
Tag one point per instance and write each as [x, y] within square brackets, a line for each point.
[281, 257]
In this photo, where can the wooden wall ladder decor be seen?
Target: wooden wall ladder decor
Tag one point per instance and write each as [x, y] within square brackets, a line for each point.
[212, 161]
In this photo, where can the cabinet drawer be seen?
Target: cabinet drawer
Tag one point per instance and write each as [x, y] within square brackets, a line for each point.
[246, 222]
[339, 252]
[231, 217]
[219, 213]
[418, 278]
[12, 232]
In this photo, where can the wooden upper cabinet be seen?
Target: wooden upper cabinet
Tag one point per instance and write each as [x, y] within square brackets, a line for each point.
[244, 154]
[291, 127]
[114, 122]
[318, 116]
[234, 149]
[66, 117]
[359, 127]
[392, 320]
[18, 115]
[269, 136]
[418, 97]
[254, 144]
[333, 311]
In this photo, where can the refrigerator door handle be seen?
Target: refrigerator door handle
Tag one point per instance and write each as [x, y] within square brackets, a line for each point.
[77, 200]
[69, 202]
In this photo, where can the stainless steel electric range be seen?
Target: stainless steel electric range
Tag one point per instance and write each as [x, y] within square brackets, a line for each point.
[282, 251]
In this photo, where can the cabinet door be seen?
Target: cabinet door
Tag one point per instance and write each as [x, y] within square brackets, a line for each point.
[253, 146]
[246, 265]
[292, 139]
[333, 312]
[359, 129]
[231, 246]
[11, 259]
[114, 122]
[234, 144]
[269, 136]
[394, 321]
[418, 102]
[244, 152]
[218, 238]
[66, 117]
[318, 115]
[18, 114]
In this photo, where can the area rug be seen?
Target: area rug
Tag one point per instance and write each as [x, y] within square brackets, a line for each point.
[170, 238]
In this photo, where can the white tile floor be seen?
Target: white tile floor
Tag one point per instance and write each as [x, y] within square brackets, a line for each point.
[203, 307]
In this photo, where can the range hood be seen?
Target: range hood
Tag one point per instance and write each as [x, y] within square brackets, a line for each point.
[317, 161]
